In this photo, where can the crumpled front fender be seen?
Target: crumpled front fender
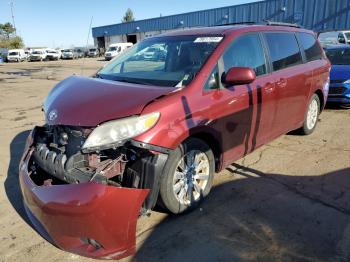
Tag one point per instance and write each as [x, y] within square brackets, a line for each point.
[89, 219]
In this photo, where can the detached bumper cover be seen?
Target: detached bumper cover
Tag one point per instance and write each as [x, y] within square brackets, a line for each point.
[77, 216]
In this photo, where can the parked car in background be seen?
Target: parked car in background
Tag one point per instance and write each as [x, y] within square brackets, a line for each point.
[16, 55]
[53, 54]
[328, 38]
[115, 49]
[93, 52]
[339, 89]
[61, 51]
[38, 55]
[143, 131]
[344, 37]
[3, 54]
[79, 52]
[69, 54]
[28, 53]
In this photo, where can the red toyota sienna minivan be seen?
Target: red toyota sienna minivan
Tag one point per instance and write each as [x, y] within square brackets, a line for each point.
[155, 124]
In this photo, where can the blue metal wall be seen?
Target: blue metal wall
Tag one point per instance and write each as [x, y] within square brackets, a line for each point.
[318, 15]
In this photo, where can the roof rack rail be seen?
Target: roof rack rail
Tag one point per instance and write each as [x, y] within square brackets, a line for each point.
[272, 23]
[240, 23]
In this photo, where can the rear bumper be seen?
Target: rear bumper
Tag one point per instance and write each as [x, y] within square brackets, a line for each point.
[88, 219]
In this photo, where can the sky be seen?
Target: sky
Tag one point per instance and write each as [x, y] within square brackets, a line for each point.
[65, 23]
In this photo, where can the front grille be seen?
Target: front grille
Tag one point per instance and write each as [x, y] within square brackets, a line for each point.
[337, 81]
[338, 90]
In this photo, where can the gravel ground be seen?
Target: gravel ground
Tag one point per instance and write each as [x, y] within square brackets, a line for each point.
[287, 201]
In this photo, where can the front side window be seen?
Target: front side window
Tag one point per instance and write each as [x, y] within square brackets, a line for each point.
[162, 61]
[246, 51]
[284, 50]
[311, 48]
[213, 81]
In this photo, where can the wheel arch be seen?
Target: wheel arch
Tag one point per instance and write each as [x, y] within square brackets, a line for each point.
[320, 95]
[214, 145]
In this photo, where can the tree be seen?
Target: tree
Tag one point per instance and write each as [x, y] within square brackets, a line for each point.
[7, 30]
[129, 16]
[7, 37]
[12, 43]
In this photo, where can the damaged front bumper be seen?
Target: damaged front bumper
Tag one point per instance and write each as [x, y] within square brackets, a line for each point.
[90, 219]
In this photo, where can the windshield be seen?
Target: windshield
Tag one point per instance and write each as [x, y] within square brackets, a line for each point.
[13, 53]
[339, 56]
[37, 52]
[113, 48]
[52, 52]
[92, 50]
[347, 35]
[67, 50]
[163, 61]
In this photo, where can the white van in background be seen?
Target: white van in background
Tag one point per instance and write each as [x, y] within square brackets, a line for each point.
[116, 49]
[16, 55]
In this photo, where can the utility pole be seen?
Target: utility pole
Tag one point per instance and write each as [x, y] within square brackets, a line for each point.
[13, 18]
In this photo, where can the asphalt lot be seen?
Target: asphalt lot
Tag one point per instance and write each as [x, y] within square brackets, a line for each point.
[288, 201]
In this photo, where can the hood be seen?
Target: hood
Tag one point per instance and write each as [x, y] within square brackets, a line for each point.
[340, 72]
[82, 101]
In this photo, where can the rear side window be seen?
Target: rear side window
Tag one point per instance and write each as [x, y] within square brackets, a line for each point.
[284, 50]
[311, 47]
[246, 51]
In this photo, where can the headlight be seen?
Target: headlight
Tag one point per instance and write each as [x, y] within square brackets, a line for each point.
[347, 81]
[116, 131]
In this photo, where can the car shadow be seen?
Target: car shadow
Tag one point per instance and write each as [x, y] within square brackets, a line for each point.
[259, 217]
[12, 187]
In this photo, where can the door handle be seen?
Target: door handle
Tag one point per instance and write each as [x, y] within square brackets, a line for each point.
[282, 83]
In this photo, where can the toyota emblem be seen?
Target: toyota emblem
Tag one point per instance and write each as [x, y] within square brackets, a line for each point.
[53, 115]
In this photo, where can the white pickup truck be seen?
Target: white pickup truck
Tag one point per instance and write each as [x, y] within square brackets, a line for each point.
[38, 55]
[52, 54]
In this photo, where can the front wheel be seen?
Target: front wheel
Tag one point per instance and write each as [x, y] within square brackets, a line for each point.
[312, 115]
[188, 176]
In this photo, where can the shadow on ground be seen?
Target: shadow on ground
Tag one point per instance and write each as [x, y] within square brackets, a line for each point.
[12, 188]
[255, 217]
[260, 217]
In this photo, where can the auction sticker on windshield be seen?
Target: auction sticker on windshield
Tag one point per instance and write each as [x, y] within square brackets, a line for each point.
[208, 39]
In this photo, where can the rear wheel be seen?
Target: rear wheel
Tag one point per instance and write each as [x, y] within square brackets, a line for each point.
[312, 115]
[188, 176]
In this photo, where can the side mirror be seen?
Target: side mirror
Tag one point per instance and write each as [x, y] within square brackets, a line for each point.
[239, 76]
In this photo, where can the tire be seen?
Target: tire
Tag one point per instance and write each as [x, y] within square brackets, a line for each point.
[176, 182]
[311, 117]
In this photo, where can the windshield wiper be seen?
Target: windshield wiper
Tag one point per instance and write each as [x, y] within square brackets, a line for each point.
[132, 81]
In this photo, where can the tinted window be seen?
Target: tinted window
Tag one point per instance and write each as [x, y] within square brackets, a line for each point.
[339, 56]
[311, 47]
[246, 51]
[284, 50]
